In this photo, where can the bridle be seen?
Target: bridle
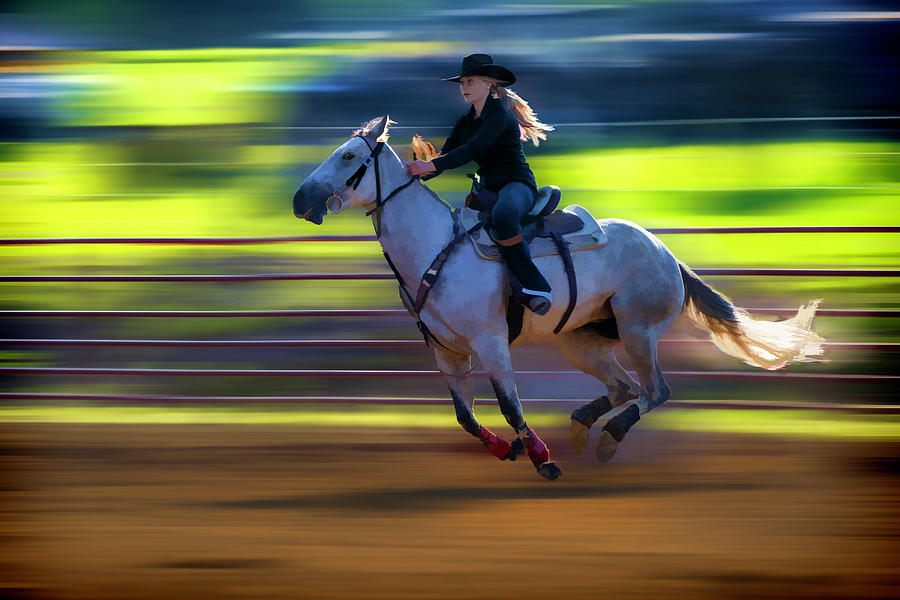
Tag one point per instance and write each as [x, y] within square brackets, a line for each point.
[354, 180]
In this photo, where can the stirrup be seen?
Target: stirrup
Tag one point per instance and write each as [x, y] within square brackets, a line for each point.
[537, 302]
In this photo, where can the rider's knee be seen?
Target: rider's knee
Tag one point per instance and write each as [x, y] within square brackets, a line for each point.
[513, 203]
[504, 212]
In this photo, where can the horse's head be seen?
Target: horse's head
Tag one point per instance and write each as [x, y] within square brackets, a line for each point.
[329, 187]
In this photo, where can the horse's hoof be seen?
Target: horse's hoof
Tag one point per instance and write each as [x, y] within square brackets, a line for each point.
[579, 435]
[549, 470]
[606, 446]
[515, 449]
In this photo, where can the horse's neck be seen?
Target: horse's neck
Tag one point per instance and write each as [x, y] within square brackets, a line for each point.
[415, 226]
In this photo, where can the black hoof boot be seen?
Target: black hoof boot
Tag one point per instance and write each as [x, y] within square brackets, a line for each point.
[549, 470]
[515, 449]
[588, 414]
[614, 432]
[581, 420]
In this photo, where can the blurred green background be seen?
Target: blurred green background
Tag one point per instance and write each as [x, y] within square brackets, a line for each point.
[145, 119]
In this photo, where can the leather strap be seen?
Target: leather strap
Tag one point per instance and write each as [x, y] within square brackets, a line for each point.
[431, 274]
[394, 269]
[391, 195]
[429, 278]
[566, 256]
[354, 179]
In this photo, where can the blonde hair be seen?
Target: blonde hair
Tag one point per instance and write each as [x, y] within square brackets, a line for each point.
[529, 125]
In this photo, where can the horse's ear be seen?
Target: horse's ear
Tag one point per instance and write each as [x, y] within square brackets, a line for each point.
[378, 130]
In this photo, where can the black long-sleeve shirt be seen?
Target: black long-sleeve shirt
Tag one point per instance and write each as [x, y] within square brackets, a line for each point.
[491, 140]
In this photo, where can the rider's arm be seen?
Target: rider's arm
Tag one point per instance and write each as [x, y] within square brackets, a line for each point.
[493, 124]
[451, 142]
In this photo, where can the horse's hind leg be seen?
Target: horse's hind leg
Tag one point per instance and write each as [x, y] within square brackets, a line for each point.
[641, 345]
[457, 370]
[493, 352]
[595, 354]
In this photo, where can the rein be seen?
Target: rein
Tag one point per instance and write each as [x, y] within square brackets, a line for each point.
[413, 304]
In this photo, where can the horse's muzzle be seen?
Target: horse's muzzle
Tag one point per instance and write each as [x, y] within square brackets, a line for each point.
[309, 202]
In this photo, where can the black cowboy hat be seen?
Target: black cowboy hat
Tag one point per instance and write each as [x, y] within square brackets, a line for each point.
[483, 64]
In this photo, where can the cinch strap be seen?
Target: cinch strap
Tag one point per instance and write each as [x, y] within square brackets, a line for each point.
[566, 255]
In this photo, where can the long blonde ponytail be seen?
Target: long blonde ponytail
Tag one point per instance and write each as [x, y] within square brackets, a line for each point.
[529, 125]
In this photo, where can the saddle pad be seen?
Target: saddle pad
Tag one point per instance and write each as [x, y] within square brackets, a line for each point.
[589, 236]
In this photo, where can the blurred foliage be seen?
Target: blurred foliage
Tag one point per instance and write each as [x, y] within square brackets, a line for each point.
[170, 120]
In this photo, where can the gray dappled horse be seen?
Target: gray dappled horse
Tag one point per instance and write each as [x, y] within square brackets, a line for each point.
[633, 279]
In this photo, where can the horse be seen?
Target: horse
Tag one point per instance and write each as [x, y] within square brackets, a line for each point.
[632, 282]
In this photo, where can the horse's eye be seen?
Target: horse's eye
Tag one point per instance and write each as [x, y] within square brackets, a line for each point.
[348, 155]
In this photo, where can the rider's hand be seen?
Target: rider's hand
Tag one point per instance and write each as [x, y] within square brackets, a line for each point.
[419, 167]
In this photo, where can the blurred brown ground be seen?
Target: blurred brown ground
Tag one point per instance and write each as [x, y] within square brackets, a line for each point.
[153, 511]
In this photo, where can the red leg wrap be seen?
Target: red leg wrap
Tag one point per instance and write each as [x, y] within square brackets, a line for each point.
[537, 450]
[494, 443]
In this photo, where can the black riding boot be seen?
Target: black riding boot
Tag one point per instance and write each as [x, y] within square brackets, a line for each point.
[533, 290]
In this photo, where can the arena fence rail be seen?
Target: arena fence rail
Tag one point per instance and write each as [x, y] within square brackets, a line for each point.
[709, 375]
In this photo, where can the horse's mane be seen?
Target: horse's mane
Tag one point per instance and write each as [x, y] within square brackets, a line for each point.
[423, 150]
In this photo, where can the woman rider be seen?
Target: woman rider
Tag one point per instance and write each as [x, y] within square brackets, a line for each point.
[491, 133]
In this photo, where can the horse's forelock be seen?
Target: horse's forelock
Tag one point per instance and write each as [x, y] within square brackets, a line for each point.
[366, 128]
[362, 131]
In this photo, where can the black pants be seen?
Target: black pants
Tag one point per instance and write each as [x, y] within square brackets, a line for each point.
[514, 201]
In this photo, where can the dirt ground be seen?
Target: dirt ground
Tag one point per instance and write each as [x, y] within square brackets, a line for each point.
[233, 512]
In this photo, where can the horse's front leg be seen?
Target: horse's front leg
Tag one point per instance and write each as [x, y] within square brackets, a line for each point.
[493, 353]
[457, 370]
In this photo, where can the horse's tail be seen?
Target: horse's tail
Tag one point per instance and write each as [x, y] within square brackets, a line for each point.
[767, 344]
